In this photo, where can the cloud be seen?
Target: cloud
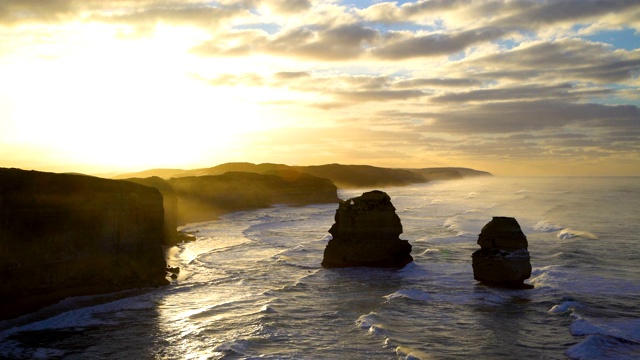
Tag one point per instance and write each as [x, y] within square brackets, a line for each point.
[136, 13]
[289, 6]
[344, 89]
[234, 80]
[289, 75]
[507, 93]
[19, 11]
[522, 14]
[340, 43]
[358, 37]
[543, 13]
[505, 79]
[379, 95]
[567, 59]
[518, 116]
[436, 44]
[438, 83]
[196, 15]
[390, 12]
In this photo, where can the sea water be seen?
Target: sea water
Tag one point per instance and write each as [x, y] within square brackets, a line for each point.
[251, 286]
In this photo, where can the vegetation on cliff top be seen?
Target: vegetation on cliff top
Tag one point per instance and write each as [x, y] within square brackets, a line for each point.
[344, 176]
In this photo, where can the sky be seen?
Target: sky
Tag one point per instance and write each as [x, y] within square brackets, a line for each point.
[514, 87]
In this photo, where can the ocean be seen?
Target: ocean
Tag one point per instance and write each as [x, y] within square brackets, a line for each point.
[251, 285]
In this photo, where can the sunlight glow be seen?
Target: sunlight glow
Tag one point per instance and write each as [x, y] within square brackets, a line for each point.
[114, 103]
[147, 84]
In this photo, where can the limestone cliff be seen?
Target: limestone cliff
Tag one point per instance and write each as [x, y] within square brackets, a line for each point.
[366, 233]
[169, 203]
[65, 235]
[202, 198]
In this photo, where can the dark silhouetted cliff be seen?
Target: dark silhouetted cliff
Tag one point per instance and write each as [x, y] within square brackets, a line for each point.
[169, 203]
[65, 235]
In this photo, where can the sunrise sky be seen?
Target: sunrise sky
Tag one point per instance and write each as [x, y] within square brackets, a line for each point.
[511, 87]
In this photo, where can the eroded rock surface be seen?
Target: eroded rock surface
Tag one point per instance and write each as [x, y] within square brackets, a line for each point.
[366, 233]
[67, 235]
[503, 258]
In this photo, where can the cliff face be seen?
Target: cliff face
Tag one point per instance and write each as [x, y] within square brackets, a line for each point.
[65, 235]
[202, 198]
[169, 203]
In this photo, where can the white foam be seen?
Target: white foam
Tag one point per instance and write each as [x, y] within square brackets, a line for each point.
[627, 329]
[237, 346]
[567, 234]
[409, 294]
[82, 318]
[604, 347]
[407, 353]
[547, 226]
[377, 329]
[430, 251]
[267, 310]
[452, 225]
[366, 322]
[566, 307]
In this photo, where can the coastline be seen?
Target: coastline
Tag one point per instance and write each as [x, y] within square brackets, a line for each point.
[88, 258]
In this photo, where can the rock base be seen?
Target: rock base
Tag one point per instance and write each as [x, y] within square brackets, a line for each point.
[502, 268]
[367, 254]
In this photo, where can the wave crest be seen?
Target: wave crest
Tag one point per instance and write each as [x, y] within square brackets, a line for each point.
[568, 234]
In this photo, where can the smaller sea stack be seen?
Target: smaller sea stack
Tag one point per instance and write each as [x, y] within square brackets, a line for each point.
[366, 234]
[503, 258]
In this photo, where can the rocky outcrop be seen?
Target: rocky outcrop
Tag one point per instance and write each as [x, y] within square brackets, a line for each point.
[503, 258]
[366, 233]
[66, 235]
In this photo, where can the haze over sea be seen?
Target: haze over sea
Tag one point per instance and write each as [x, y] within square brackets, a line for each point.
[251, 286]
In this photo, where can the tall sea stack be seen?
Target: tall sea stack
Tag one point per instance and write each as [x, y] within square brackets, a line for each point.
[67, 235]
[366, 233]
[503, 258]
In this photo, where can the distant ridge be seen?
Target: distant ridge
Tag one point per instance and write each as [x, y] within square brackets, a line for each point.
[344, 176]
[357, 176]
[449, 173]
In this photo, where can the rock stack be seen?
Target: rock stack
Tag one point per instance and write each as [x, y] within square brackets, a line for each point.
[503, 258]
[366, 233]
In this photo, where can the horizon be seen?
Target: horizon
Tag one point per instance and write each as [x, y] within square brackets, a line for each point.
[515, 88]
[118, 175]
